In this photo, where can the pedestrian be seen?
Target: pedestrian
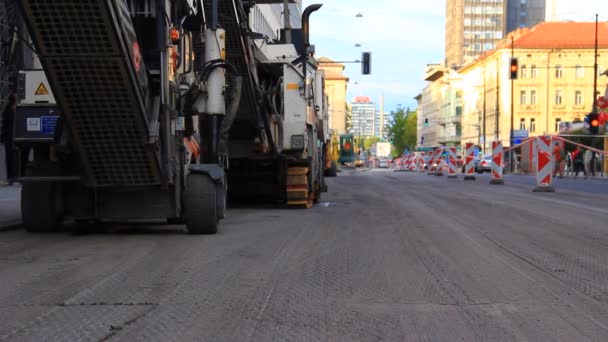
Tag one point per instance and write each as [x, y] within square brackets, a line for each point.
[578, 161]
[558, 161]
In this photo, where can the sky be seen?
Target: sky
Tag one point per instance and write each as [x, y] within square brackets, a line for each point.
[403, 36]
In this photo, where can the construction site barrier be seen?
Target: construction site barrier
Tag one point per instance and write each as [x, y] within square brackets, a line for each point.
[497, 156]
[452, 162]
[544, 164]
[432, 170]
[439, 161]
[469, 162]
[420, 162]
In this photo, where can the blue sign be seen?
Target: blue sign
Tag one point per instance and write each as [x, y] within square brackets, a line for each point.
[48, 124]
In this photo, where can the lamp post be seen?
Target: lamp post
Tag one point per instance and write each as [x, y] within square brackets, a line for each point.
[511, 137]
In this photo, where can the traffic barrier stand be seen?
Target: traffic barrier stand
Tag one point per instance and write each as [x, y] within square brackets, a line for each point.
[431, 163]
[497, 156]
[469, 162]
[400, 164]
[413, 166]
[420, 161]
[439, 160]
[452, 162]
[544, 165]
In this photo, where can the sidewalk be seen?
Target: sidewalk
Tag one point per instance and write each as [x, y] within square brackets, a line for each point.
[10, 208]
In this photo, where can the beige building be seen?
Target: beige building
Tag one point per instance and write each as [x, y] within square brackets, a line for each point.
[335, 88]
[440, 108]
[555, 82]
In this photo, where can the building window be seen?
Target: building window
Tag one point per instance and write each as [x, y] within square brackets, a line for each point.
[458, 110]
[559, 71]
[532, 125]
[557, 122]
[524, 71]
[558, 97]
[522, 124]
[580, 71]
[533, 97]
[533, 71]
[578, 97]
[522, 97]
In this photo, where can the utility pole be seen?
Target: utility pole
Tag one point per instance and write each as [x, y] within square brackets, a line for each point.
[594, 97]
[483, 149]
[286, 18]
[511, 137]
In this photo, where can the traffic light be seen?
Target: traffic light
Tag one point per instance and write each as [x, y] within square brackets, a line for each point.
[594, 123]
[366, 63]
[514, 69]
[426, 122]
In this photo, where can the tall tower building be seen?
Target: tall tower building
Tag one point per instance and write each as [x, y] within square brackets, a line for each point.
[526, 13]
[475, 26]
[363, 112]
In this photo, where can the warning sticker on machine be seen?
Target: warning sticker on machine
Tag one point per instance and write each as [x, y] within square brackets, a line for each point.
[33, 124]
[48, 124]
[41, 90]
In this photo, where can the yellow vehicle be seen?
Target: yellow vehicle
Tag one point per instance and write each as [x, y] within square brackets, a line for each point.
[332, 154]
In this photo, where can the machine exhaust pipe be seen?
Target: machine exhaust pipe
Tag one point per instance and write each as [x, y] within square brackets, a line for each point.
[305, 26]
[306, 30]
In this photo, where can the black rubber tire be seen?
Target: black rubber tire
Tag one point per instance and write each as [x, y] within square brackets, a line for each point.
[200, 205]
[41, 207]
[333, 170]
[221, 199]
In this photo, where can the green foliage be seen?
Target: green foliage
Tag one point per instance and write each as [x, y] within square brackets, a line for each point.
[348, 117]
[587, 141]
[369, 141]
[402, 130]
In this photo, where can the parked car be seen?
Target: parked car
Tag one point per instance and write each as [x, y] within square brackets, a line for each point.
[484, 164]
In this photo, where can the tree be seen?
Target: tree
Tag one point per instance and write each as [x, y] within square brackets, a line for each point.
[402, 130]
[347, 117]
[369, 141]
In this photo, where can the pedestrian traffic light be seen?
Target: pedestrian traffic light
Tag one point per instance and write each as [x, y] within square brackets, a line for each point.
[514, 69]
[366, 63]
[426, 122]
[594, 123]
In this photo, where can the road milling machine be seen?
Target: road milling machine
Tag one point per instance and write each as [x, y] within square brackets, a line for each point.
[146, 109]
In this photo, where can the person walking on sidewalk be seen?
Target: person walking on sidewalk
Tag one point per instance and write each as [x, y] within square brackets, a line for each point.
[578, 161]
[558, 157]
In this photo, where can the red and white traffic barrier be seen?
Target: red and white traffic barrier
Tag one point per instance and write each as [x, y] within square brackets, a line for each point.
[469, 162]
[452, 162]
[497, 156]
[412, 166]
[431, 163]
[544, 165]
[439, 161]
[420, 162]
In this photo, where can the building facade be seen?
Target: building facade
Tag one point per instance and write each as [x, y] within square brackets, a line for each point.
[526, 13]
[336, 85]
[554, 85]
[363, 112]
[440, 108]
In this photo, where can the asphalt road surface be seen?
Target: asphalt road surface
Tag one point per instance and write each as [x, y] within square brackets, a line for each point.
[389, 256]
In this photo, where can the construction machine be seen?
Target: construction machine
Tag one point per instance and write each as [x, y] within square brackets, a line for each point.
[146, 109]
